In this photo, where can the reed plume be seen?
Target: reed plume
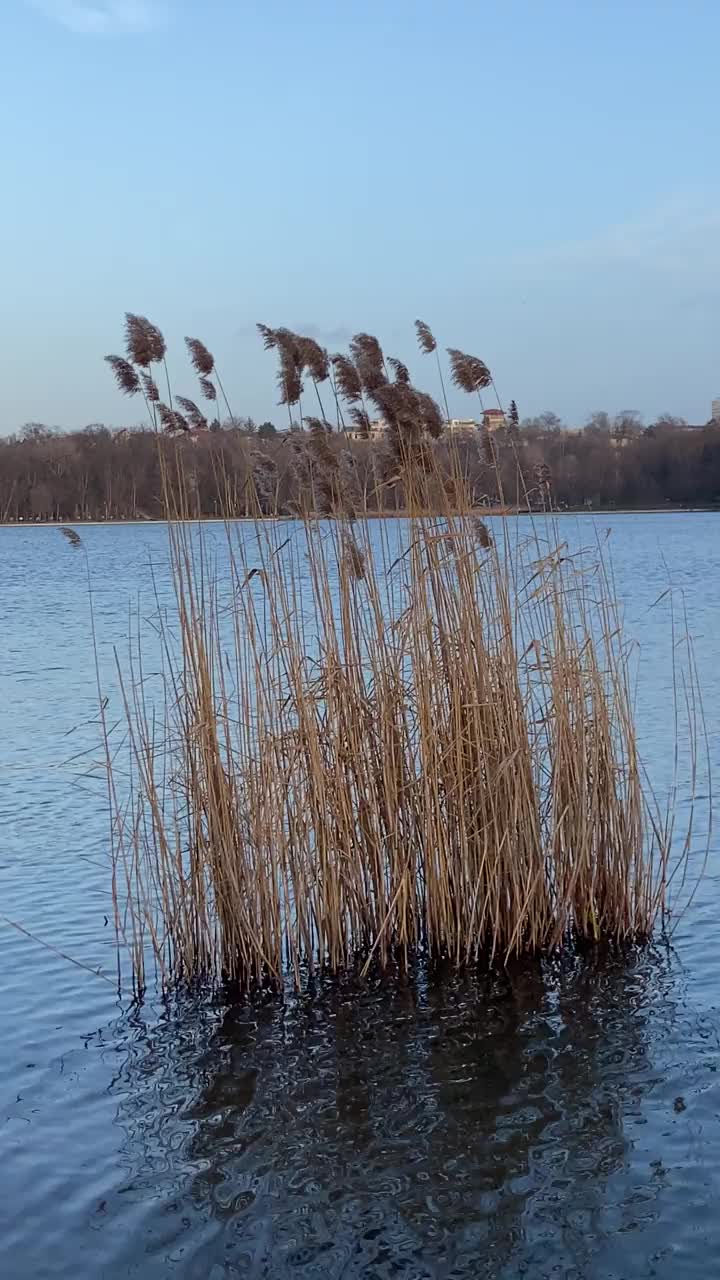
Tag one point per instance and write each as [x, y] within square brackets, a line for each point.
[468, 372]
[208, 388]
[144, 342]
[347, 378]
[194, 415]
[314, 358]
[396, 403]
[149, 386]
[172, 422]
[290, 361]
[426, 342]
[409, 413]
[268, 336]
[289, 378]
[202, 361]
[364, 346]
[369, 362]
[400, 370]
[430, 415]
[125, 376]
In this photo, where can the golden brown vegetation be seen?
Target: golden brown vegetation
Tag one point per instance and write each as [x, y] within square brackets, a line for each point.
[380, 741]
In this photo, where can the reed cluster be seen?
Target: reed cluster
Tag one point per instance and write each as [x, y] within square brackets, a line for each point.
[380, 740]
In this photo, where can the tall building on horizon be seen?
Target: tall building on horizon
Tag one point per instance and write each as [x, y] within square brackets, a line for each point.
[716, 410]
[493, 419]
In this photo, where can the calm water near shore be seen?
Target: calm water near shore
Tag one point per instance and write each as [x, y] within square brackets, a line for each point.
[560, 1120]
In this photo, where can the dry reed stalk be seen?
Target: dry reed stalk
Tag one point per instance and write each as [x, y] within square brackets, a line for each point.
[371, 751]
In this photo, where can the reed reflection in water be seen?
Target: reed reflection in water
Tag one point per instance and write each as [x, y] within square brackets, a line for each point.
[462, 1129]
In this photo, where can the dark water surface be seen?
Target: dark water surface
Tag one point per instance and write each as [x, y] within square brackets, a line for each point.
[555, 1121]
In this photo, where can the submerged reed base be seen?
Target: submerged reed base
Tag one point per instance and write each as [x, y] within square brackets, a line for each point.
[379, 741]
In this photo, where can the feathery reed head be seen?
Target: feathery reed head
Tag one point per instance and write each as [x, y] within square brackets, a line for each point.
[125, 376]
[365, 346]
[401, 371]
[289, 341]
[202, 361]
[468, 372]
[314, 358]
[268, 336]
[288, 378]
[195, 416]
[369, 361]
[72, 535]
[208, 388]
[149, 387]
[426, 341]
[430, 416]
[289, 347]
[172, 421]
[409, 413]
[347, 378]
[144, 342]
[397, 403]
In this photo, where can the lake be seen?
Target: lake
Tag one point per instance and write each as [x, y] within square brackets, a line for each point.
[558, 1120]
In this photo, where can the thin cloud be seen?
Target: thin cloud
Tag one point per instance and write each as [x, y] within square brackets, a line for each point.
[104, 17]
[680, 239]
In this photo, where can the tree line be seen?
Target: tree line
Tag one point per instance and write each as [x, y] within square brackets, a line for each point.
[101, 474]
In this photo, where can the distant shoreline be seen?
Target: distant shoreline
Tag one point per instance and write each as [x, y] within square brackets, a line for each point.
[489, 512]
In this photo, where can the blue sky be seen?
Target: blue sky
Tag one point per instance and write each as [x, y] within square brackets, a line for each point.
[535, 178]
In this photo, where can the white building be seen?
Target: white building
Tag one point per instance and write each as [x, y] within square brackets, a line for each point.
[462, 427]
[378, 430]
[493, 419]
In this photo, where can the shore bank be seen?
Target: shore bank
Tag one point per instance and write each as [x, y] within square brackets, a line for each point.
[490, 512]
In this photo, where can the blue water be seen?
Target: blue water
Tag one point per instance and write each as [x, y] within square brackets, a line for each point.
[558, 1120]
